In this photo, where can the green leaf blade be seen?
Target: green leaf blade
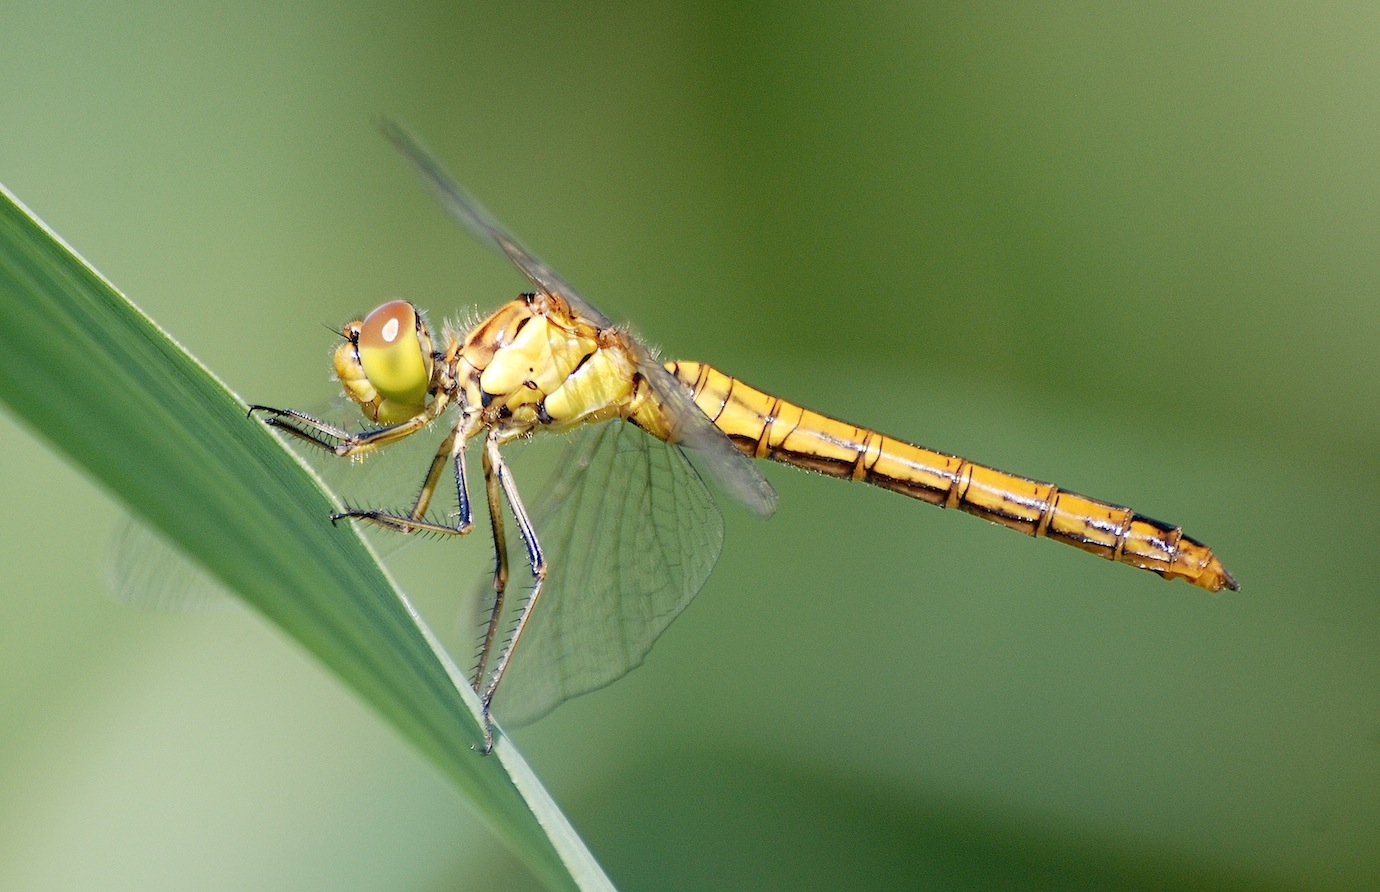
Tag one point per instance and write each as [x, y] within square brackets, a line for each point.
[98, 379]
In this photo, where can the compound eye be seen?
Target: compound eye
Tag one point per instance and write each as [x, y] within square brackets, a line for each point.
[395, 355]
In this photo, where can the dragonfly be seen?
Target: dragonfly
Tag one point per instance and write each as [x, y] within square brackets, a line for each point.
[627, 532]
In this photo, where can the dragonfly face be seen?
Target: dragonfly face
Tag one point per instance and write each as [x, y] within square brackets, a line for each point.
[386, 364]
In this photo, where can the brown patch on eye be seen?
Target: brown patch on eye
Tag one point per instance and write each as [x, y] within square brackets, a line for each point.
[386, 323]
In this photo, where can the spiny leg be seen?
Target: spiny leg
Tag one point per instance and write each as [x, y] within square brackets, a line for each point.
[303, 426]
[340, 441]
[493, 492]
[496, 467]
[453, 448]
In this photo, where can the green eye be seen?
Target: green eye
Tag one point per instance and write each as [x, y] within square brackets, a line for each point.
[394, 351]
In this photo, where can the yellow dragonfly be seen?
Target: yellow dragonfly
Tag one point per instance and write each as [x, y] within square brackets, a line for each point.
[627, 533]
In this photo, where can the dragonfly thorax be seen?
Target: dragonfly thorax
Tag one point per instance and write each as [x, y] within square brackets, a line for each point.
[533, 363]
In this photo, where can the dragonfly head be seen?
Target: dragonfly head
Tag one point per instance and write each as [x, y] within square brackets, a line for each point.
[386, 362]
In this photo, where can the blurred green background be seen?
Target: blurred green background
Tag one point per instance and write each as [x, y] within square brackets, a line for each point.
[1134, 253]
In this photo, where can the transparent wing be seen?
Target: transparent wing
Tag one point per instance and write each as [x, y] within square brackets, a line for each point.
[470, 214]
[713, 453]
[143, 569]
[630, 534]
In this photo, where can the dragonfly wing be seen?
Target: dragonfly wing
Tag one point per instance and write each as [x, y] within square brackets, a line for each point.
[145, 570]
[630, 534]
[465, 209]
[711, 451]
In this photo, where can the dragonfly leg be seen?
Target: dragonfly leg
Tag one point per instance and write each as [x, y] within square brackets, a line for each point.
[493, 492]
[497, 477]
[340, 441]
[451, 448]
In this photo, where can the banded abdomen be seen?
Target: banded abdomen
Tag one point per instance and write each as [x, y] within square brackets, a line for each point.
[765, 426]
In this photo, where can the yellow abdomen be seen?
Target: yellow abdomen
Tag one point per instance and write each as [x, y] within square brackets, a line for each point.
[765, 426]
